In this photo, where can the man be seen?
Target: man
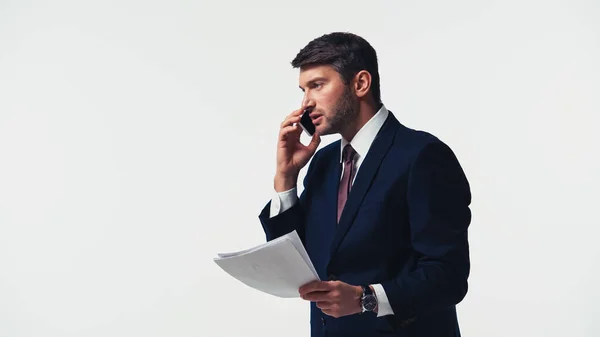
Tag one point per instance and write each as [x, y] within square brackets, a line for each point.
[384, 212]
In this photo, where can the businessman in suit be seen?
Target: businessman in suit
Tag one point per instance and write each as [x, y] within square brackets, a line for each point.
[384, 212]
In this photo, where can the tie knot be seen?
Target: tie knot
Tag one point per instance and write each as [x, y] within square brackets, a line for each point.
[348, 153]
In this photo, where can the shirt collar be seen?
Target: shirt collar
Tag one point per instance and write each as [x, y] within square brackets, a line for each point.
[364, 137]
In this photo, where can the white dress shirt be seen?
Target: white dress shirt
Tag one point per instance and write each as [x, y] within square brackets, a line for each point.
[361, 143]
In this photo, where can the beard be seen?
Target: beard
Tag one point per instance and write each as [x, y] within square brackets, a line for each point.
[344, 113]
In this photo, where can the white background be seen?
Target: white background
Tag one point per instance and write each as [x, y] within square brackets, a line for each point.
[137, 141]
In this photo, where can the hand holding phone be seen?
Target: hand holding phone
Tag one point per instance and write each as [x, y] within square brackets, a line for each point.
[292, 155]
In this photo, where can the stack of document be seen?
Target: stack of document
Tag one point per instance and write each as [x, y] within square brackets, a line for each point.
[279, 267]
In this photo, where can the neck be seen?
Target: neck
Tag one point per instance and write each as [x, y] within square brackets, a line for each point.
[366, 111]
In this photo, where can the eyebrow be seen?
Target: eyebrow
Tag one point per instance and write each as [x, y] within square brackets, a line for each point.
[317, 79]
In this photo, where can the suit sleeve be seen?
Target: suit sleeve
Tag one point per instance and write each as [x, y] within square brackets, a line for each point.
[439, 215]
[290, 219]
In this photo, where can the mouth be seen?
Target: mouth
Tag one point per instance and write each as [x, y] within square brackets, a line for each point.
[316, 119]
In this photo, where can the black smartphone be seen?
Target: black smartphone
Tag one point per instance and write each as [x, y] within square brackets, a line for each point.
[306, 122]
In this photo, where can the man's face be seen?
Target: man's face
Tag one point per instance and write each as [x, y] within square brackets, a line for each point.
[335, 106]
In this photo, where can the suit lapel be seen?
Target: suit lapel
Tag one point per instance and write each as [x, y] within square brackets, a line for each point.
[333, 183]
[363, 180]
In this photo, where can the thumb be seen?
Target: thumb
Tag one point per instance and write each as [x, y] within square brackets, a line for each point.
[314, 142]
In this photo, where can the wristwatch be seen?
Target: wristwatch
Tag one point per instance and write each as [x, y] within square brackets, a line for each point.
[368, 301]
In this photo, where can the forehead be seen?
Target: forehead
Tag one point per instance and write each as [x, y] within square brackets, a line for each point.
[311, 73]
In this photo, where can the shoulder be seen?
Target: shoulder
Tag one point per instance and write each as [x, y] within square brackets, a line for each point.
[430, 156]
[408, 143]
[414, 143]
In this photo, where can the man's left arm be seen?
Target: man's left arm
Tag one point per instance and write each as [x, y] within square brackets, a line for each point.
[438, 199]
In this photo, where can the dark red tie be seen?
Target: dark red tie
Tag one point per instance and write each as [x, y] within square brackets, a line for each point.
[346, 182]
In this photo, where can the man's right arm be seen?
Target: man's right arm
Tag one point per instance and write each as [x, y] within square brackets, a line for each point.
[285, 214]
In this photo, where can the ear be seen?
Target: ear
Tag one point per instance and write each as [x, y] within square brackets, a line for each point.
[362, 83]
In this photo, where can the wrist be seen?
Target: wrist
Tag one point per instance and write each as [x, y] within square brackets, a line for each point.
[284, 183]
[358, 297]
[367, 299]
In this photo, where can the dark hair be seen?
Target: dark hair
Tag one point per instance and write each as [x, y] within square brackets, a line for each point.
[347, 53]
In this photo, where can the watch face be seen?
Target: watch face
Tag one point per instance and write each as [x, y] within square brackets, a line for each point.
[369, 302]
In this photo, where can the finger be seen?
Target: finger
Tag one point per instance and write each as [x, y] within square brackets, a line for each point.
[303, 290]
[300, 111]
[308, 285]
[330, 312]
[296, 114]
[289, 131]
[324, 305]
[294, 117]
[290, 120]
[317, 296]
[315, 286]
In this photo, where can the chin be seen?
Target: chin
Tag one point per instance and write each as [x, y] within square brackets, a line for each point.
[323, 130]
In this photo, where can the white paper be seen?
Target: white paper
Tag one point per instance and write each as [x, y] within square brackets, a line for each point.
[278, 267]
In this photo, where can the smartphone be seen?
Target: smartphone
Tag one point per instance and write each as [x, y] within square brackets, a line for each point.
[306, 122]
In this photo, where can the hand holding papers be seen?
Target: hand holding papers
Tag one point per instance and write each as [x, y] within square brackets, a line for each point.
[279, 267]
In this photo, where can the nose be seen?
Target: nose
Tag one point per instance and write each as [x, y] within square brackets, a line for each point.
[307, 101]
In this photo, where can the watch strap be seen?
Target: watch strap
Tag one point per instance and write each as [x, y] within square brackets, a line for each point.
[366, 290]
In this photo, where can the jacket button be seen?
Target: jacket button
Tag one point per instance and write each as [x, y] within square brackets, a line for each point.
[323, 321]
[332, 277]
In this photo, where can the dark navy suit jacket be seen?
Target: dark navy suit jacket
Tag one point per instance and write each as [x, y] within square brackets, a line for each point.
[404, 225]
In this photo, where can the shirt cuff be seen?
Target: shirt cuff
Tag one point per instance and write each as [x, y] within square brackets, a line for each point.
[383, 304]
[283, 201]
